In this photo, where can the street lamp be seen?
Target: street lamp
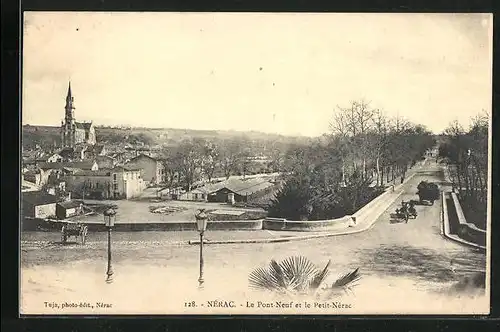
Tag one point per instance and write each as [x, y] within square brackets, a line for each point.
[109, 221]
[201, 225]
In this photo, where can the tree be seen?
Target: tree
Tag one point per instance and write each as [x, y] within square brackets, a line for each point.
[171, 166]
[466, 152]
[210, 159]
[352, 126]
[311, 183]
[229, 153]
[276, 157]
[333, 176]
[140, 138]
[292, 200]
[379, 141]
[189, 157]
[244, 162]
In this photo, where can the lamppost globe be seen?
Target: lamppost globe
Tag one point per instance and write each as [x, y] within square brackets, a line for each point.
[201, 225]
[109, 217]
[201, 221]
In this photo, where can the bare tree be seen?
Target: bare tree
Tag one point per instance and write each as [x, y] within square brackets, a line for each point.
[189, 158]
[229, 157]
[171, 166]
[467, 155]
[379, 142]
[351, 126]
[363, 120]
[210, 159]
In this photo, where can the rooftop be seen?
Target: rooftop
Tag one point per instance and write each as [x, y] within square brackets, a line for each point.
[83, 125]
[126, 168]
[69, 204]
[38, 198]
[143, 156]
[29, 186]
[86, 172]
[87, 165]
[240, 186]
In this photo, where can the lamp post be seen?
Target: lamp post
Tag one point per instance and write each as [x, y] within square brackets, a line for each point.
[201, 225]
[109, 221]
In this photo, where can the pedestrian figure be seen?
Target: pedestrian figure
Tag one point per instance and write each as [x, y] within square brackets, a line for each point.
[411, 209]
[404, 211]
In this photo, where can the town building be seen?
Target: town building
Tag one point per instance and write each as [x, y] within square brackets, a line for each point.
[50, 172]
[33, 176]
[30, 164]
[127, 182]
[121, 157]
[198, 194]
[55, 158]
[38, 204]
[79, 151]
[93, 151]
[120, 182]
[241, 190]
[67, 153]
[105, 162]
[68, 209]
[232, 190]
[152, 168]
[87, 165]
[29, 186]
[73, 132]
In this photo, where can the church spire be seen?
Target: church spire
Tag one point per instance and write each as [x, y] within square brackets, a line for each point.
[69, 105]
[69, 96]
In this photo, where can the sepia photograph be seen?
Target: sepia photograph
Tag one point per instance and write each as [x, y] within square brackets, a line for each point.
[180, 163]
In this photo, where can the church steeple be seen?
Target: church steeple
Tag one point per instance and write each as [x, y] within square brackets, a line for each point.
[69, 104]
[68, 97]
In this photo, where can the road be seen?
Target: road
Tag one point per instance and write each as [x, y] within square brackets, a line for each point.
[405, 267]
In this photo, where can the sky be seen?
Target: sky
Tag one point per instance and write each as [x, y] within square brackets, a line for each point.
[275, 73]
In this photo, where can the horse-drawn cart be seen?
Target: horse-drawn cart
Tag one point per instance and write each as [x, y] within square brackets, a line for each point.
[404, 213]
[427, 191]
[77, 230]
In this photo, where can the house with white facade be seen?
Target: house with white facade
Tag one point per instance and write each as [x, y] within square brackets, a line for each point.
[120, 182]
[55, 158]
[38, 204]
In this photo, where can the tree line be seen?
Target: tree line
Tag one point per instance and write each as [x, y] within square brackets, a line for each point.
[338, 174]
[466, 154]
[195, 159]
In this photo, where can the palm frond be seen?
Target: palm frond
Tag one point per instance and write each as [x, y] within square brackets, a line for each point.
[278, 275]
[298, 270]
[260, 278]
[347, 279]
[320, 276]
[298, 275]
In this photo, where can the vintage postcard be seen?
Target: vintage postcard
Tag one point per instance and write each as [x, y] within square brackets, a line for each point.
[255, 163]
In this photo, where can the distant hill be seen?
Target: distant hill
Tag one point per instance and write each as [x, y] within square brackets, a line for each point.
[44, 136]
[47, 136]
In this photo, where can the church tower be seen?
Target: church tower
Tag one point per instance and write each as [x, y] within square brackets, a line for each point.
[68, 127]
